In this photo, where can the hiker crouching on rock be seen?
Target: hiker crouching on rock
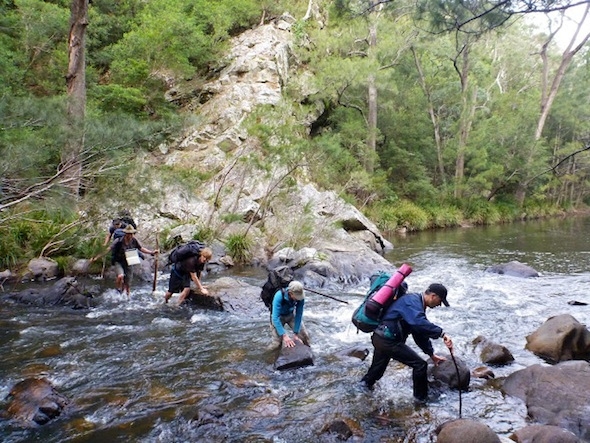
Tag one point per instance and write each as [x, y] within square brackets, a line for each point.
[406, 316]
[287, 308]
[183, 272]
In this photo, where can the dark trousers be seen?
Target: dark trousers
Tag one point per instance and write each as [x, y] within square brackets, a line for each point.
[386, 350]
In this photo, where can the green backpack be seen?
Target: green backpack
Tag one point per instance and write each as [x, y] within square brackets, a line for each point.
[359, 318]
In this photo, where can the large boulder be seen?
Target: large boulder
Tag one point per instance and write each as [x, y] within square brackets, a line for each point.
[42, 269]
[333, 263]
[513, 268]
[455, 377]
[230, 295]
[35, 401]
[492, 353]
[560, 338]
[555, 395]
[65, 291]
[465, 431]
[544, 434]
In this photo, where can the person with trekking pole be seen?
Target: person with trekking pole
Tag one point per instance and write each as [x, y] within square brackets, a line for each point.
[124, 256]
[406, 316]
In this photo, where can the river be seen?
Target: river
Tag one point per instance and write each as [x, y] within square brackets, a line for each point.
[142, 371]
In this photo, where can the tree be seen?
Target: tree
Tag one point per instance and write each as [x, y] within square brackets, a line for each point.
[71, 163]
[550, 85]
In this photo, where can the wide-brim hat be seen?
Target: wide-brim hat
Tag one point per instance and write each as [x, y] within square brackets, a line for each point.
[129, 230]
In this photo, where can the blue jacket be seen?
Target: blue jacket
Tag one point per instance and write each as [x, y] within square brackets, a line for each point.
[283, 306]
[408, 316]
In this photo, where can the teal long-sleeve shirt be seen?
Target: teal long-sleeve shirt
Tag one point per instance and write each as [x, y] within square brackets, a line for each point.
[283, 306]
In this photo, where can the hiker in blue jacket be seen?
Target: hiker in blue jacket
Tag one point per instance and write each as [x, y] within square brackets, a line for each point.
[404, 317]
[287, 308]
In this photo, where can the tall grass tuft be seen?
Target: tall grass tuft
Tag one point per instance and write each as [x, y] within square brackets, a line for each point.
[239, 247]
[481, 212]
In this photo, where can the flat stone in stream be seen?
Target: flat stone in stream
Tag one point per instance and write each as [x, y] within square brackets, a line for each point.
[296, 357]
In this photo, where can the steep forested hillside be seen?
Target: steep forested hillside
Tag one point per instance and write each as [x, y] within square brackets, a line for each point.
[431, 114]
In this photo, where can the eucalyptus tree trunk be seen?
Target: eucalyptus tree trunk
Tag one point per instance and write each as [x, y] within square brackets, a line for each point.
[372, 105]
[550, 86]
[468, 101]
[433, 117]
[71, 162]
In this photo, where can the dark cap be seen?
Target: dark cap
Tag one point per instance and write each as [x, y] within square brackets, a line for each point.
[440, 290]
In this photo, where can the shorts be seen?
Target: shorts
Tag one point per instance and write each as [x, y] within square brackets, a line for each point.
[127, 271]
[178, 281]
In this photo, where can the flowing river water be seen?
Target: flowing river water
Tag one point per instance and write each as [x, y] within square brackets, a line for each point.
[142, 371]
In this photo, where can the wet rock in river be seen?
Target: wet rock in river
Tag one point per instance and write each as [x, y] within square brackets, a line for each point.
[492, 353]
[35, 401]
[465, 431]
[296, 357]
[555, 395]
[514, 268]
[560, 338]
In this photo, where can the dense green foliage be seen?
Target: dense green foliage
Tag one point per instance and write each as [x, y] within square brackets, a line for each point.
[455, 134]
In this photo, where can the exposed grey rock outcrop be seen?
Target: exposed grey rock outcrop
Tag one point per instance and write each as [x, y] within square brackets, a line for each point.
[275, 212]
[446, 372]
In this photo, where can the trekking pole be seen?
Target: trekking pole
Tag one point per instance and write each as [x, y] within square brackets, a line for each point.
[458, 382]
[325, 295]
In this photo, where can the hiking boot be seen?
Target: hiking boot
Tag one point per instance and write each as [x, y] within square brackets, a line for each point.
[420, 402]
[366, 385]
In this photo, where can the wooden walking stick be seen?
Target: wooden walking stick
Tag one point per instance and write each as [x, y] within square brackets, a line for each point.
[156, 263]
[104, 264]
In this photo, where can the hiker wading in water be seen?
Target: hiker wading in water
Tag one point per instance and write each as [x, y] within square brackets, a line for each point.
[406, 316]
[123, 270]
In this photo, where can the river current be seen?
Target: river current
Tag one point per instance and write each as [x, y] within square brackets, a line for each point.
[141, 371]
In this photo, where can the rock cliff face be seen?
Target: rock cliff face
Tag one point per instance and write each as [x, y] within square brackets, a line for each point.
[340, 243]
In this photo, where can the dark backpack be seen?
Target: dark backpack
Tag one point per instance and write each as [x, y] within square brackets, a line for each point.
[191, 249]
[278, 278]
[360, 319]
[127, 220]
[118, 233]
